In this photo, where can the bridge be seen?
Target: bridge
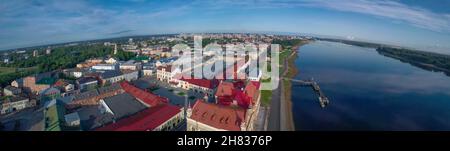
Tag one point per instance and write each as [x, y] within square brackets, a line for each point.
[323, 100]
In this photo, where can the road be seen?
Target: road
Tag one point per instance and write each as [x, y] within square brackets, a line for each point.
[275, 105]
[274, 113]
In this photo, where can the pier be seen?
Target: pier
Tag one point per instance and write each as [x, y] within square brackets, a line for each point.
[323, 100]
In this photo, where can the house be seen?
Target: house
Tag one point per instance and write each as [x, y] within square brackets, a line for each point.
[130, 65]
[49, 94]
[111, 61]
[130, 75]
[164, 73]
[30, 84]
[202, 86]
[64, 85]
[224, 93]
[112, 76]
[105, 67]
[205, 116]
[10, 91]
[148, 69]
[86, 83]
[72, 119]
[12, 104]
[90, 62]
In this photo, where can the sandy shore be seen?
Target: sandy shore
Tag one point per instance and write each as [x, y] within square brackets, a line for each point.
[291, 73]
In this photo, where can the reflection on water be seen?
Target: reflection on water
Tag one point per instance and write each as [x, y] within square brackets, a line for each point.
[368, 91]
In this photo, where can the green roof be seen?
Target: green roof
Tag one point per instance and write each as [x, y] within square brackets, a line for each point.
[54, 117]
[47, 81]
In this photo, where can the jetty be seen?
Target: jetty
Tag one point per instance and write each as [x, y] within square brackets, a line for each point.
[323, 100]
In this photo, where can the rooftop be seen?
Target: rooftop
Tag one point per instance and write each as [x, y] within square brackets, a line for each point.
[144, 96]
[123, 105]
[86, 80]
[218, 116]
[110, 74]
[47, 81]
[225, 89]
[148, 119]
[211, 84]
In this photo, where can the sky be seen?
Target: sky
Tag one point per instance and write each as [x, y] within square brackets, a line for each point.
[420, 24]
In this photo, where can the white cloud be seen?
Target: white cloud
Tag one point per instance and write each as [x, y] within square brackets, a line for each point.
[414, 16]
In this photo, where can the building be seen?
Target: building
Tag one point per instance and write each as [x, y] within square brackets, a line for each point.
[111, 61]
[109, 77]
[13, 104]
[121, 106]
[72, 119]
[224, 93]
[130, 75]
[130, 65]
[147, 98]
[64, 85]
[86, 83]
[10, 91]
[163, 117]
[160, 118]
[92, 97]
[202, 86]
[75, 72]
[90, 62]
[105, 67]
[31, 85]
[50, 94]
[164, 73]
[35, 53]
[48, 51]
[148, 69]
[215, 117]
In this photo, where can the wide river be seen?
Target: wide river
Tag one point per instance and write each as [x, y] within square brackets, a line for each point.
[367, 91]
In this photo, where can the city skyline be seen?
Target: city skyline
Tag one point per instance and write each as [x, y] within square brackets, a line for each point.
[417, 24]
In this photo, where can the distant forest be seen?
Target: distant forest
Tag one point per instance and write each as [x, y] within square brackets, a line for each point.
[59, 58]
[426, 60]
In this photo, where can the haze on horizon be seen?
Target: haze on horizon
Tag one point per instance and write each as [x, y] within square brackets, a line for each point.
[419, 24]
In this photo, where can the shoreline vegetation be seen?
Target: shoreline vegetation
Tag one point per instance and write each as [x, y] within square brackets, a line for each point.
[290, 72]
[429, 61]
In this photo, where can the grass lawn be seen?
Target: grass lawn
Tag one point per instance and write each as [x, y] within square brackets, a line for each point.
[266, 97]
[6, 70]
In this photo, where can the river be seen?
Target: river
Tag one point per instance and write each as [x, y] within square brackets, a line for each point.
[367, 91]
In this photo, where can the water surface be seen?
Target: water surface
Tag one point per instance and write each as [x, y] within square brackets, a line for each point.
[368, 91]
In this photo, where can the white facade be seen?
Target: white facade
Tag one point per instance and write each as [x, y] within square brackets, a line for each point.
[105, 67]
[72, 119]
[111, 61]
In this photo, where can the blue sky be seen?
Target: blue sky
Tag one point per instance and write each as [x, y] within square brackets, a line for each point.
[421, 24]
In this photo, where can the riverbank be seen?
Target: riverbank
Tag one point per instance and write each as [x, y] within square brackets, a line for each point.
[290, 72]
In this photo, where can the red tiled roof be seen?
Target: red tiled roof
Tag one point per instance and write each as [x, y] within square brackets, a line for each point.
[221, 117]
[210, 84]
[146, 97]
[148, 119]
[252, 90]
[60, 83]
[224, 89]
